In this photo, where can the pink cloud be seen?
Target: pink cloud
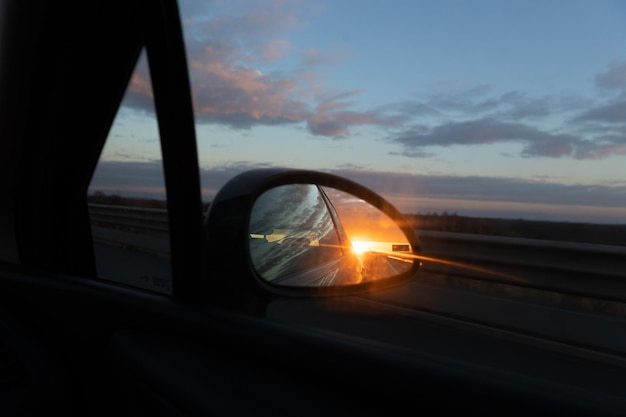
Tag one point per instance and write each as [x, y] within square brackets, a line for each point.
[140, 85]
[234, 55]
[242, 96]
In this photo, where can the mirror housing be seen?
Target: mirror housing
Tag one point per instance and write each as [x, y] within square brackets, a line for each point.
[228, 235]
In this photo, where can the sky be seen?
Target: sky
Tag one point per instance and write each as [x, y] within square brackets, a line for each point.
[511, 109]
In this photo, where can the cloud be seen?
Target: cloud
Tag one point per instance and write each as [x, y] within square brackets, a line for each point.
[614, 78]
[474, 132]
[139, 96]
[135, 174]
[120, 176]
[245, 73]
[611, 113]
[493, 189]
[132, 177]
[535, 142]
[332, 117]
[233, 56]
[475, 101]
[241, 96]
[603, 147]
[471, 195]
[552, 146]
[229, 93]
[511, 105]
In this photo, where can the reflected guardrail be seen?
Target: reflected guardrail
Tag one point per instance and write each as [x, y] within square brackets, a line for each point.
[566, 267]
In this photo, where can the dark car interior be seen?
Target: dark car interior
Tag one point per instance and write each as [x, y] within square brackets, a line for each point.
[74, 345]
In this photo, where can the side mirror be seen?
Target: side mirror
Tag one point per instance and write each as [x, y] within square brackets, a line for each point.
[297, 232]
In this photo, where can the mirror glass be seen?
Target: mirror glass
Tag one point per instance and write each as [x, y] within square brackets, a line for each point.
[306, 235]
[375, 238]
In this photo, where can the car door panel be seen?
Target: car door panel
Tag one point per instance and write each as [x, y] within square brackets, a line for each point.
[122, 347]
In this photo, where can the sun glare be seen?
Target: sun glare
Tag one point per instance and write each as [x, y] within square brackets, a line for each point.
[360, 246]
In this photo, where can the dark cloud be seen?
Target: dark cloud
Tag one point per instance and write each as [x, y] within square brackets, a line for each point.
[520, 107]
[333, 117]
[492, 189]
[551, 146]
[141, 177]
[614, 78]
[134, 175]
[603, 147]
[474, 132]
[535, 142]
[453, 193]
[128, 175]
[611, 113]
[476, 101]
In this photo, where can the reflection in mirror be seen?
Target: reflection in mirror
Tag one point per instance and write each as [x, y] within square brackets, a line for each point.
[377, 240]
[299, 238]
[294, 241]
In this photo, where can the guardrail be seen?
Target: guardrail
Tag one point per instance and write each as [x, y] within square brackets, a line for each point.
[565, 267]
[568, 267]
[134, 219]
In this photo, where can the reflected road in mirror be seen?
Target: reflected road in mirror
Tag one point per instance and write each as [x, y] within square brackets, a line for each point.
[305, 235]
[295, 242]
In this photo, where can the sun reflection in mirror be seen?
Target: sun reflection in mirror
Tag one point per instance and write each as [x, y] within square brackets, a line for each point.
[360, 246]
[374, 235]
[376, 239]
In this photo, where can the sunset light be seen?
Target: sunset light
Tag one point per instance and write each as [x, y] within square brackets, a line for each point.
[361, 246]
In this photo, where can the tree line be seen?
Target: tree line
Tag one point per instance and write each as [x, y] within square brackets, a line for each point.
[532, 229]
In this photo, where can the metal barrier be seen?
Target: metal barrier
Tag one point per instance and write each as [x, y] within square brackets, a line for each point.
[134, 219]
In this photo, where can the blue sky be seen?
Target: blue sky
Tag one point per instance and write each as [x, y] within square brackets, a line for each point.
[499, 108]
